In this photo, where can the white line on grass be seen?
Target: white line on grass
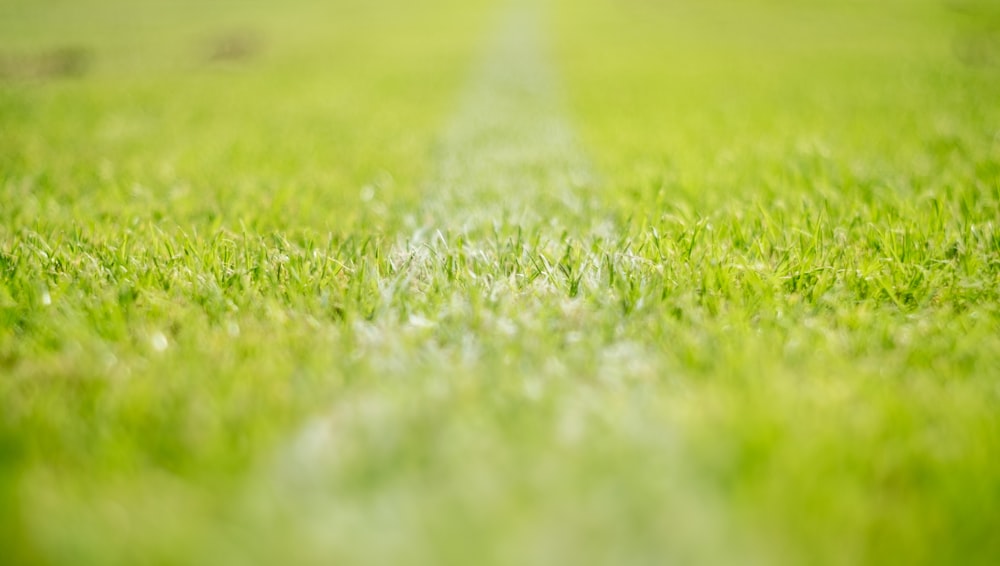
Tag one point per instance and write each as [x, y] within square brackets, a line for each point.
[507, 157]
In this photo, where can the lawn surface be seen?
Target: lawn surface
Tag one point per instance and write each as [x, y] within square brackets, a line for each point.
[484, 282]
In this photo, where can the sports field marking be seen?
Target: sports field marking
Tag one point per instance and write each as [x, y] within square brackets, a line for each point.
[507, 156]
[509, 152]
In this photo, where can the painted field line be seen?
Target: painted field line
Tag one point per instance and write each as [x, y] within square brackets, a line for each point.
[507, 156]
[509, 153]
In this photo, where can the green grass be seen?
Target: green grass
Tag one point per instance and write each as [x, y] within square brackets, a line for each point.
[230, 331]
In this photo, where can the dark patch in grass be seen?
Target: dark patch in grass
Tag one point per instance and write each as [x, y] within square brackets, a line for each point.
[977, 43]
[234, 47]
[979, 49]
[61, 62]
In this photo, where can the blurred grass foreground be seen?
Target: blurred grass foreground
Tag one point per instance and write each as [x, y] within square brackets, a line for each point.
[499, 282]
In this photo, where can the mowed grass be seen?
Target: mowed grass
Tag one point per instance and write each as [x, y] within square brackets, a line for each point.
[225, 338]
[174, 231]
[821, 176]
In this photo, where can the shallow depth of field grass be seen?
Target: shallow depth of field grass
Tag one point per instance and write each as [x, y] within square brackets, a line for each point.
[230, 332]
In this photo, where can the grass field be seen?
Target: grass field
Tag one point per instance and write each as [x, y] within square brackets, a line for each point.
[554, 282]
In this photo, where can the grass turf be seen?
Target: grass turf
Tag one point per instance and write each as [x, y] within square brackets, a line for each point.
[770, 336]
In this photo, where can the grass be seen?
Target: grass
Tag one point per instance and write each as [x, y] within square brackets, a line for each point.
[234, 327]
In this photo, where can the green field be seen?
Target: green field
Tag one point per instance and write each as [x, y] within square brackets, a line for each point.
[500, 282]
